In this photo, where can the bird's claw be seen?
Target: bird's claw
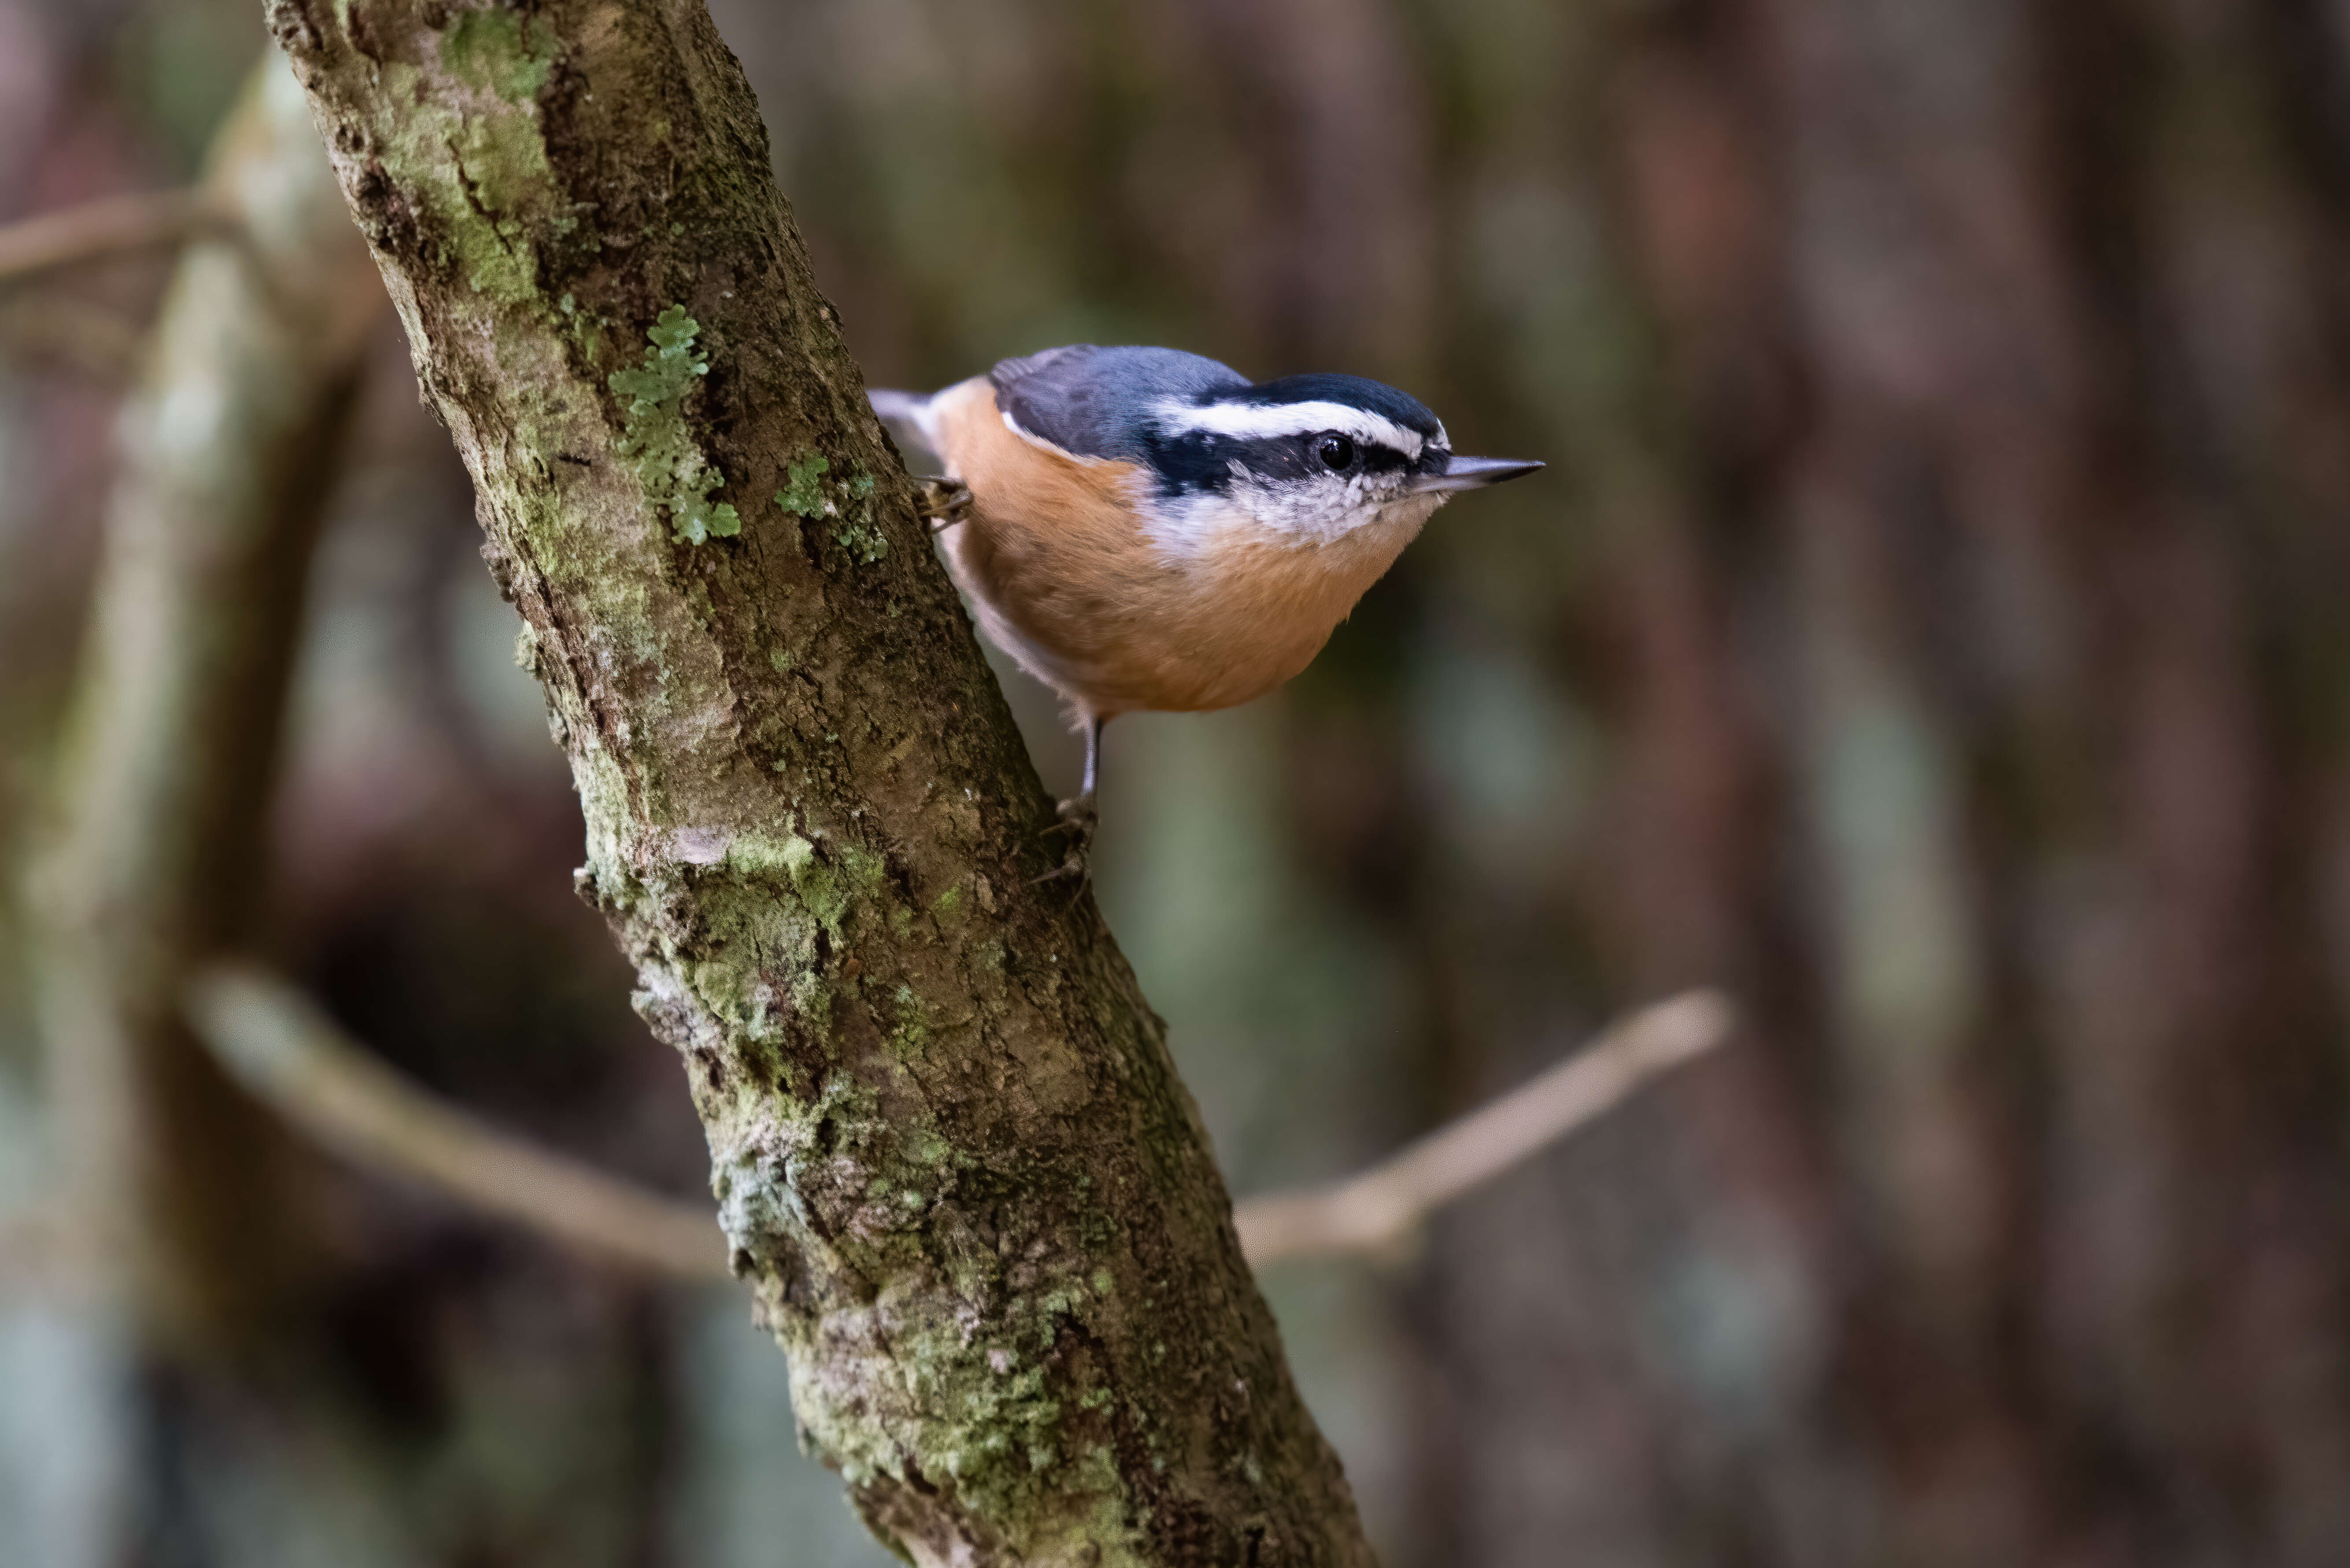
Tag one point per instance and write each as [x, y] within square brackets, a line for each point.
[945, 501]
[1076, 821]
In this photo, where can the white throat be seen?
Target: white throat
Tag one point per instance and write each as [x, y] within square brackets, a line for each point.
[1191, 531]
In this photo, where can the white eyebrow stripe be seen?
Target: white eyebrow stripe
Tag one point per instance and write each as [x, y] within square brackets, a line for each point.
[1269, 421]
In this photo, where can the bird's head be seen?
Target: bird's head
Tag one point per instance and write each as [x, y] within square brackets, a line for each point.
[1306, 460]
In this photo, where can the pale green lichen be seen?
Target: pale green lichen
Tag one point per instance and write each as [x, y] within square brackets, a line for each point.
[489, 161]
[860, 535]
[658, 441]
[996, 1438]
[803, 495]
[910, 1036]
[762, 953]
[989, 1413]
[500, 52]
[803, 492]
[863, 540]
[865, 868]
[760, 854]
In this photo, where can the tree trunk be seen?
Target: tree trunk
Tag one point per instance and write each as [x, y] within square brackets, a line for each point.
[950, 1152]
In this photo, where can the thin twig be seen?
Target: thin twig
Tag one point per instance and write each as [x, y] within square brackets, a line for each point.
[93, 340]
[291, 1057]
[1377, 1210]
[272, 1040]
[146, 220]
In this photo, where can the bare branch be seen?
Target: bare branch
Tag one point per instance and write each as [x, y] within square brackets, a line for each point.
[97, 341]
[289, 1055]
[116, 226]
[276, 1042]
[1377, 1210]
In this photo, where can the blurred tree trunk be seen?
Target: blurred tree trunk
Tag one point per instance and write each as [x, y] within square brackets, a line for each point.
[226, 457]
[2011, 360]
[951, 1152]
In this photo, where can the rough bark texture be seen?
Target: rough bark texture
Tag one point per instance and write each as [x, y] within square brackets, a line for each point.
[950, 1152]
[226, 457]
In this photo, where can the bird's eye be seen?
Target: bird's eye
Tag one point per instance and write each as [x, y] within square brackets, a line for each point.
[1336, 451]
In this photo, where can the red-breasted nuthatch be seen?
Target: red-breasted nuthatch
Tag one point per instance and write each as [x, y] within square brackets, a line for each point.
[1146, 529]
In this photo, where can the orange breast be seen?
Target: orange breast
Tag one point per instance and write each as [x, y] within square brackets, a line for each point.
[1063, 578]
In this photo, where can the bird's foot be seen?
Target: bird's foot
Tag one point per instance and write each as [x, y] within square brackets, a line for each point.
[945, 501]
[1075, 824]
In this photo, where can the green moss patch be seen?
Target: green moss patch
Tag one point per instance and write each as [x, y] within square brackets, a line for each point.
[500, 52]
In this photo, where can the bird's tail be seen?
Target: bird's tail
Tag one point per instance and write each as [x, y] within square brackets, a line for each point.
[909, 416]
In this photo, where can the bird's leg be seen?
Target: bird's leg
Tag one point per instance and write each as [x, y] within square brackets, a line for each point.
[945, 501]
[1077, 816]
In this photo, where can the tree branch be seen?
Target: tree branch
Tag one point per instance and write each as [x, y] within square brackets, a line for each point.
[292, 1057]
[97, 341]
[288, 1054]
[116, 226]
[1377, 1210]
[951, 1152]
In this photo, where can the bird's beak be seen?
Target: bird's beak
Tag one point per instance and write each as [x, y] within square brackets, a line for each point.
[1471, 474]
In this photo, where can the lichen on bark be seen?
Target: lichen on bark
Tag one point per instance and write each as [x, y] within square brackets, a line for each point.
[953, 1157]
[656, 437]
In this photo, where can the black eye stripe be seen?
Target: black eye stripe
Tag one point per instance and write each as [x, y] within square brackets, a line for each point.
[1197, 462]
[1189, 463]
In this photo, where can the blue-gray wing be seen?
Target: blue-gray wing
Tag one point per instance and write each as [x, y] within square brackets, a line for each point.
[1097, 402]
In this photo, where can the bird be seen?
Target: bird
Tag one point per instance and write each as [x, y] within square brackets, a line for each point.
[1148, 530]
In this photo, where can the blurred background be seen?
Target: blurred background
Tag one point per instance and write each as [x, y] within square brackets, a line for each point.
[1934, 627]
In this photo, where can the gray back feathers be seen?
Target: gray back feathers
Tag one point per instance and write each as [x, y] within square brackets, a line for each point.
[1092, 401]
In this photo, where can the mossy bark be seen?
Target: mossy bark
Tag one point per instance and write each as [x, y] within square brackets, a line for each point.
[953, 1156]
